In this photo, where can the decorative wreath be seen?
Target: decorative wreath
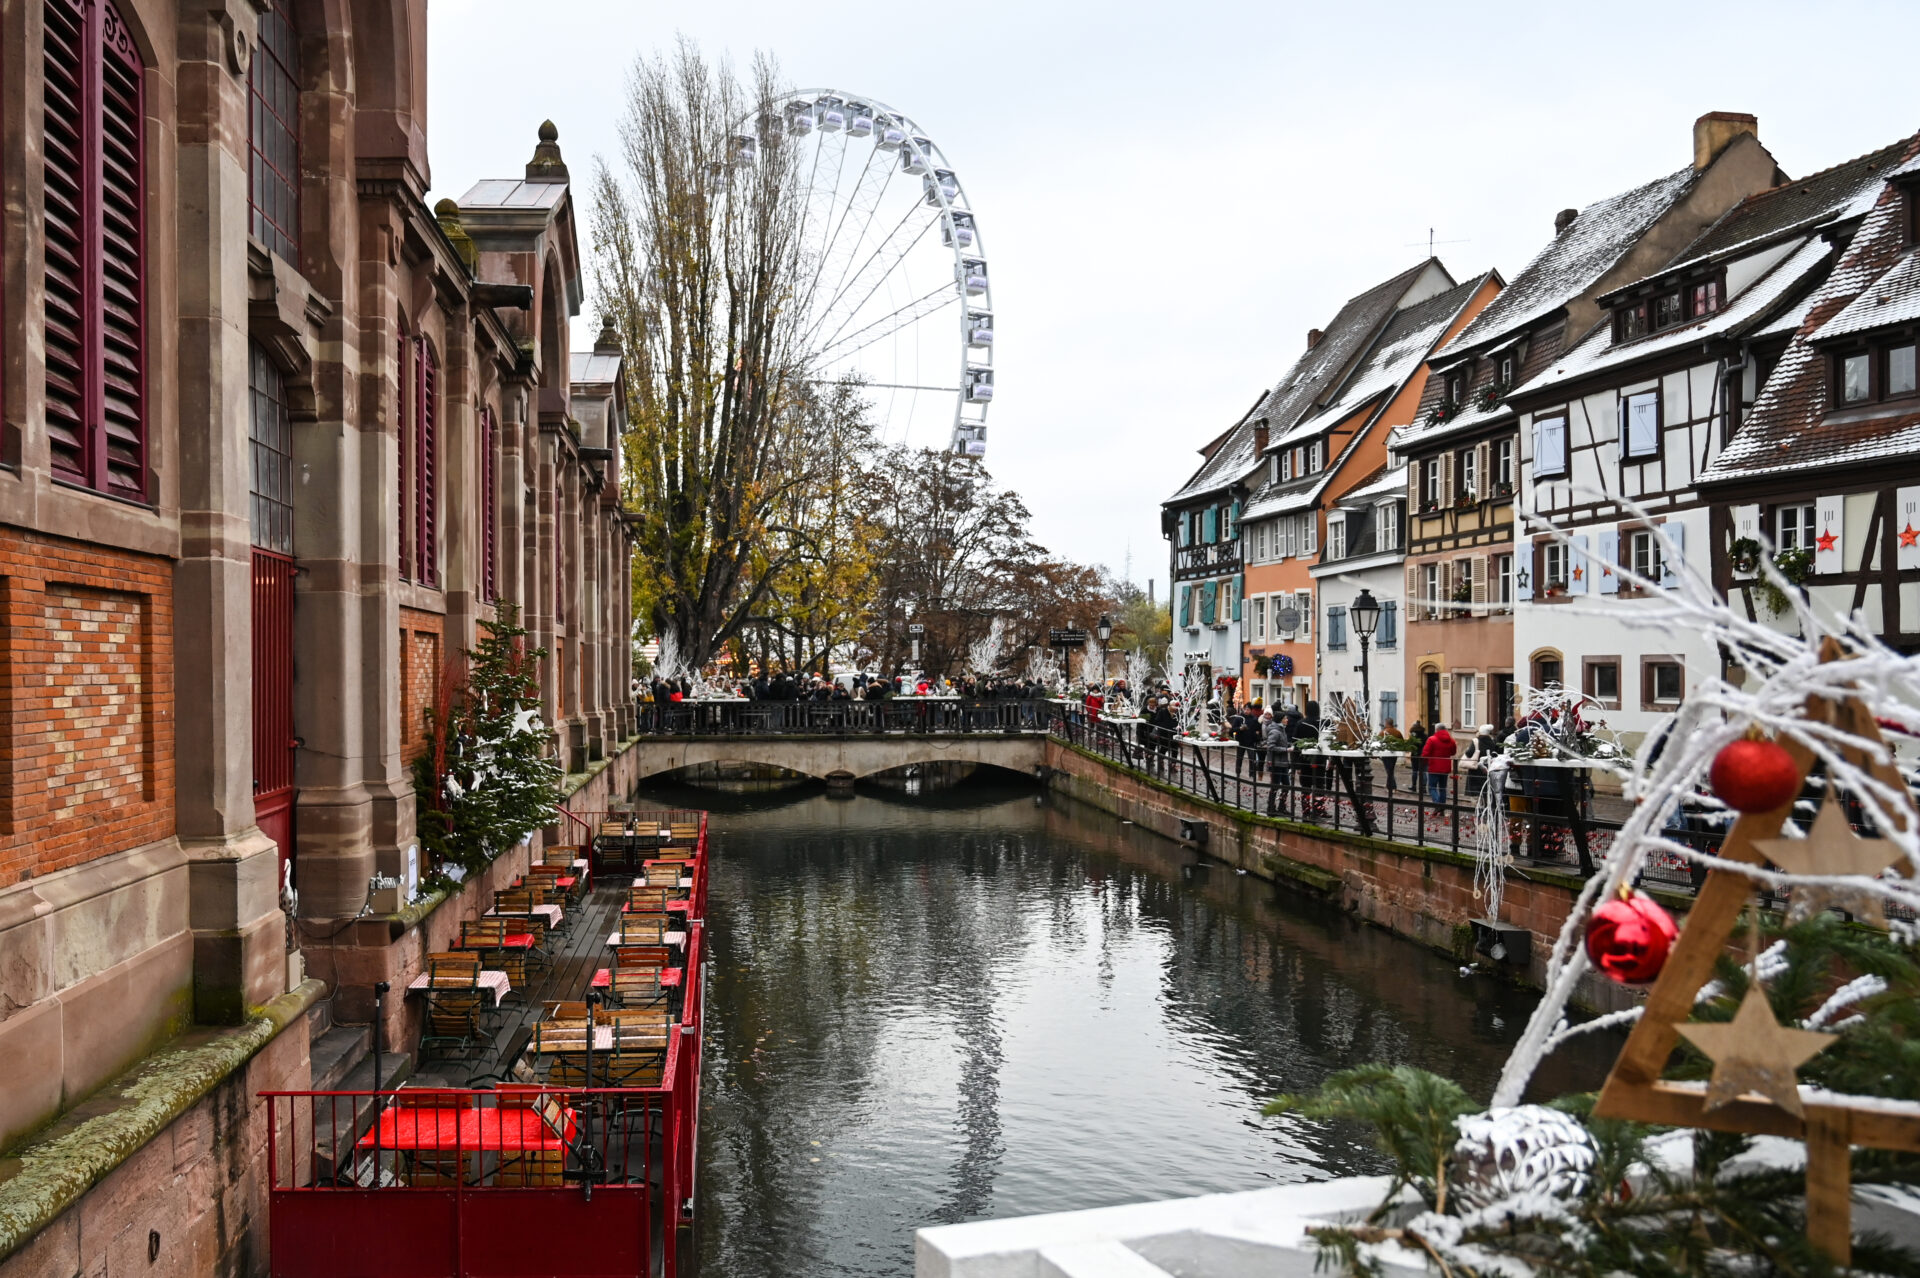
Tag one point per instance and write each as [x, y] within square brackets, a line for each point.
[1280, 666]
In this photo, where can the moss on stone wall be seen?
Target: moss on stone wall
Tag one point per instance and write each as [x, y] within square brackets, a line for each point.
[51, 1171]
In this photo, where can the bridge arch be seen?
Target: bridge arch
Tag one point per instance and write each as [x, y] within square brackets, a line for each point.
[858, 757]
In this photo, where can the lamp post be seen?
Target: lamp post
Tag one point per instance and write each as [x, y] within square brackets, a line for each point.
[1365, 612]
[1105, 630]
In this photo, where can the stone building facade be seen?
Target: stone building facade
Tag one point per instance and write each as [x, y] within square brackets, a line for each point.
[278, 438]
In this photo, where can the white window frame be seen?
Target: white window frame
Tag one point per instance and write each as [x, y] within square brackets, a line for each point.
[1259, 618]
[1470, 472]
[1645, 555]
[1503, 580]
[1795, 526]
[1336, 538]
[1503, 462]
[1468, 683]
[1554, 550]
[1386, 523]
[1430, 591]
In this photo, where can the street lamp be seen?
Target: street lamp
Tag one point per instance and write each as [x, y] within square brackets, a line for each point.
[1105, 630]
[1365, 612]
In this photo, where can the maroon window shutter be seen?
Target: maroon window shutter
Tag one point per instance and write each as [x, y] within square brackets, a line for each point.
[426, 472]
[95, 233]
[490, 504]
[122, 466]
[68, 191]
[402, 444]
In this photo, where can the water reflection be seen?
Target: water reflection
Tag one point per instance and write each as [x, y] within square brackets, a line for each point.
[967, 1004]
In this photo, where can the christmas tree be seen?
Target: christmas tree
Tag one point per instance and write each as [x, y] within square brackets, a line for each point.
[488, 778]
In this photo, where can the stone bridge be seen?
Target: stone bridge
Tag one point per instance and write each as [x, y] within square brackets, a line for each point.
[843, 756]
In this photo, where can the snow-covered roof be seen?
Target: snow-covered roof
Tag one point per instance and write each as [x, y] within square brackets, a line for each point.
[1793, 425]
[593, 367]
[1390, 482]
[1403, 347]
[1599, 350]
[1573, 261]
[512, 193]
[1284, 499]
[1894, 298]
[1838, 194]
[1313, 375]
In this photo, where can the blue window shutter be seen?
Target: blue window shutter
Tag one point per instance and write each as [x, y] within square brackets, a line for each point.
[1237, 590]
[1609, 565]
[1212, 525]
[1209, 602]
[1579, 567]
[1186, 605]
[1675, 555]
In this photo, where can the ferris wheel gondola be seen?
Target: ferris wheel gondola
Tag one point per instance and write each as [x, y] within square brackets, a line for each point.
[886, 258]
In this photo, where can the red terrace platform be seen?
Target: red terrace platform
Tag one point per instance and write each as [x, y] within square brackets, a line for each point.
[524, 1180]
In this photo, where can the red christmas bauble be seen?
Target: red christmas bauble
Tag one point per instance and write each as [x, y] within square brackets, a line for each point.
[1754, 776]
[1628, 938]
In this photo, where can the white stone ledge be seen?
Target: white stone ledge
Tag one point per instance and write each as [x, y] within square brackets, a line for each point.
[1261, 1232]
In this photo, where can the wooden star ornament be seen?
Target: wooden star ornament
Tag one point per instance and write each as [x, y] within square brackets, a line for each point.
[1832, 848]
[1755, 1053]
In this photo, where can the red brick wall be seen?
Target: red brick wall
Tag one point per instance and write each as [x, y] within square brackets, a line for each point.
[86, 702]
[420, 667]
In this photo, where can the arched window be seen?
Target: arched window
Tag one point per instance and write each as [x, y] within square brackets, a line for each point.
[95, 232]
[273, 133]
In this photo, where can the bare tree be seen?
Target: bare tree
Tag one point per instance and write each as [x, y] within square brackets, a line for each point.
[699, 262]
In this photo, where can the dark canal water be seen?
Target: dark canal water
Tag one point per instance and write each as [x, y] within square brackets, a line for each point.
[984, 1003]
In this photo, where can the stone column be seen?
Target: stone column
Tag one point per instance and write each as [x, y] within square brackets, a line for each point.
[239, 934]
[540, 582]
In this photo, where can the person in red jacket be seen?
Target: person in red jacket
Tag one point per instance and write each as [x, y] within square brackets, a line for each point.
[1438, 755]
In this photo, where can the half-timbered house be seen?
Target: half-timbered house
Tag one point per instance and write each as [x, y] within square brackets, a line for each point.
[1623, 423]
[1824, 471]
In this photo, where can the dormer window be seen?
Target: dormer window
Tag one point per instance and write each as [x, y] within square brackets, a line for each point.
[1706, 298]
[1457, 389]
[1865, 377]
[1506, 370]
[1631, 322]
[1667, 311]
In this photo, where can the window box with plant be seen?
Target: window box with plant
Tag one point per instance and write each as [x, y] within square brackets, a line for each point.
[1794, 564]
[1491, 395]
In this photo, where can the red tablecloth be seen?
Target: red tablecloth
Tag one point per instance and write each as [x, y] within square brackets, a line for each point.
[473, 1130]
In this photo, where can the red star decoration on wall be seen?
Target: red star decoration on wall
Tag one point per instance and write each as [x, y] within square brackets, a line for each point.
[1826, 541]
[1909, 536]
[1578, 573]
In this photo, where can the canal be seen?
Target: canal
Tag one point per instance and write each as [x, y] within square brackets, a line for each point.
[989, 1001]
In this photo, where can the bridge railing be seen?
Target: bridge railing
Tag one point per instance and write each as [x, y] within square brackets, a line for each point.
[925, 715]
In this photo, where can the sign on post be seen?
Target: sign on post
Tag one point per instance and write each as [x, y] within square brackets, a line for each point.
[1069, 638]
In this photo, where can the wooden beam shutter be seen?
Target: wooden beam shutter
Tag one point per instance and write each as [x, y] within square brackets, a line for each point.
[93, 175]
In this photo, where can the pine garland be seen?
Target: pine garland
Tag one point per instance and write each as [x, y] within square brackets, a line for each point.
[488, 778]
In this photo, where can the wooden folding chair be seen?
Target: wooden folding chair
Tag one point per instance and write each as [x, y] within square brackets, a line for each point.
[456, 1004]
[517, 904]
[638, 987]
[644, 929]
[487, 938]
[546, 880]
[638, 1059]
[565, 1010]
[664, 876]
[647, 900]
[544, 1167]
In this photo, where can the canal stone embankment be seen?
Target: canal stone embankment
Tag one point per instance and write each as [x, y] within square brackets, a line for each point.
[1422, 893]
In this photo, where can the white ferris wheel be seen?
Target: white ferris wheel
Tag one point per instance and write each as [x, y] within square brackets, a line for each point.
[896, 290]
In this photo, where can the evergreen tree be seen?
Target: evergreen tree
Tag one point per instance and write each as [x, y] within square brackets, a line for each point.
[488, 778]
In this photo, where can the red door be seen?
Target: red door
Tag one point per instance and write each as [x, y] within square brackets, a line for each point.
[273, 740]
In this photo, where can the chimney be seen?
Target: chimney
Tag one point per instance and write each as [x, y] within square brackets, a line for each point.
[1716, 130]
[1313, 337]
[1259, 437]
[1563, 219]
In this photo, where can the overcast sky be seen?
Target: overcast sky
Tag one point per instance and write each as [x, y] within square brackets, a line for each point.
[1173, 194]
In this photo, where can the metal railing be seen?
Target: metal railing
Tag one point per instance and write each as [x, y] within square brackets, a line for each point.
[1549, 814]
[843, 718]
